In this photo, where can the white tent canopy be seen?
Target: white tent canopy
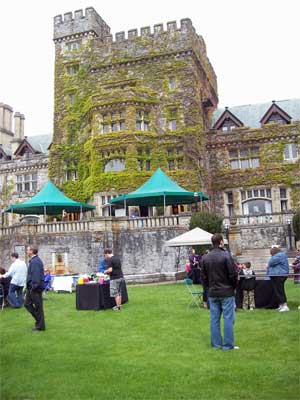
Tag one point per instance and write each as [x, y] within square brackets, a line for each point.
[195, 237]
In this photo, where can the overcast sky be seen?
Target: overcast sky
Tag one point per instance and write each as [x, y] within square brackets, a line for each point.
[253, 46]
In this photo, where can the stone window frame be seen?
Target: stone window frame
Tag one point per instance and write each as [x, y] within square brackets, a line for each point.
[73, 45]
[239, 157]
[72, 69]
[26, 182]
[144, 159]
[71, 175]
[292, 152]
[229, 202]
[112, 121]
[264, 194]
[283, 199]
[142, 119]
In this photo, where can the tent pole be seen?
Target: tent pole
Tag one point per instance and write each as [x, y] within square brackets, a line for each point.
[45, 214]
[125, 206]
[201, 201]
[164, 205]
[80, 212]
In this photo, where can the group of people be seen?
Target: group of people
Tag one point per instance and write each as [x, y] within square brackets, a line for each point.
[31, 279]
[220, 276]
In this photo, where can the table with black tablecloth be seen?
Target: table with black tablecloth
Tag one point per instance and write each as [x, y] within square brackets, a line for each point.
[263, 295]
[92, 296]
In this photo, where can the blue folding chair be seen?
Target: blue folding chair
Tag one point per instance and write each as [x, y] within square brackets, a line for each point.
[196, 295]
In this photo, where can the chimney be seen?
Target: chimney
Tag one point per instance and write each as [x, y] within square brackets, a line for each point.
[19, 125]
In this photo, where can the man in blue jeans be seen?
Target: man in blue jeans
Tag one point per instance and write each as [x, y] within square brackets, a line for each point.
[18, 273]
[219, 274]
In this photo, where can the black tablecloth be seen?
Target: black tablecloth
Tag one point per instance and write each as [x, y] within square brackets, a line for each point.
[92, 296]
[263, 295]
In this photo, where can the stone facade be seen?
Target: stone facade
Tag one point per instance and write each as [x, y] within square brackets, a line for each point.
[127, 105]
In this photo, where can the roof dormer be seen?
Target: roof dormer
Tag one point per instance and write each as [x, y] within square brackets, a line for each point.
[25, 149]
[275, 114]
[227, 122]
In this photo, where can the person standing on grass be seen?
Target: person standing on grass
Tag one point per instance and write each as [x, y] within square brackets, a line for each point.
[220, 275]
[278, 271]
[35, 287]
[116, 277]
[18, 273]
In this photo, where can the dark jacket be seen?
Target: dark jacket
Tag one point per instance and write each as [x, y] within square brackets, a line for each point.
[219, 273]
[35, 276]
[247, 282]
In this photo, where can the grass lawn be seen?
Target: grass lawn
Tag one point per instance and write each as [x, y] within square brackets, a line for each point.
[155, 348]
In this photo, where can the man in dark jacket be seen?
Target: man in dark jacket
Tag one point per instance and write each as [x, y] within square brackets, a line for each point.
[220, 275]
[35, 287]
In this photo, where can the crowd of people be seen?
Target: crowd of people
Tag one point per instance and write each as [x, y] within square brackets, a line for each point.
[220, 276]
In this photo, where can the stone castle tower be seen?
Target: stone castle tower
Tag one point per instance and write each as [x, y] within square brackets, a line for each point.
[126, 105]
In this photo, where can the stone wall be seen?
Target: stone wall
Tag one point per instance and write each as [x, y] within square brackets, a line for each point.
[141, 250]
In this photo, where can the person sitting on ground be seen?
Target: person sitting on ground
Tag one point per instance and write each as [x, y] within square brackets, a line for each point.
[296, 267]
[278, 271]
[247, 284]
[47, 280]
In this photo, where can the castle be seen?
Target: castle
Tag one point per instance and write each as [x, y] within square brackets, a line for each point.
[146, 99]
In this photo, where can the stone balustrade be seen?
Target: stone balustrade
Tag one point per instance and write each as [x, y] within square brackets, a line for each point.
[260, 219]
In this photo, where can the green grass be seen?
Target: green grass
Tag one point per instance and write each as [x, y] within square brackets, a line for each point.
[155, 348]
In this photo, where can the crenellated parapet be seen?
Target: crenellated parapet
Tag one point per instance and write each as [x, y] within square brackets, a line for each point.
[73, 25]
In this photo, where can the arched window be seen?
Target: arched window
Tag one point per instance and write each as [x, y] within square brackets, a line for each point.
[115, 165]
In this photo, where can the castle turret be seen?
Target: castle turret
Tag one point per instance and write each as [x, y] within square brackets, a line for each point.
[79, 25]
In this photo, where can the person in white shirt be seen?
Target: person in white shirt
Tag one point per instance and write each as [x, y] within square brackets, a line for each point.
[18, 273]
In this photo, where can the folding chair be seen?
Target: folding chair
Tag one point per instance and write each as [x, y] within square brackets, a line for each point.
[1, 296]
[197, 295]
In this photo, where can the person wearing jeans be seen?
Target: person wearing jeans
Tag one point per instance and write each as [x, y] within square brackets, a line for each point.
[219, 274]
[18, 273]
[278, 271]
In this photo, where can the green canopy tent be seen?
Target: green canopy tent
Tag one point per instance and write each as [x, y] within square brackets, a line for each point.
[157, 191]
[49, 201]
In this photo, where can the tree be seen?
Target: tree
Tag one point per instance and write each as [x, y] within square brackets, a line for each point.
[296, 225]
[210, 222]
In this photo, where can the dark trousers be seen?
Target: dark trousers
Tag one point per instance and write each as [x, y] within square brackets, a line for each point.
[34, 304]
[278, 288]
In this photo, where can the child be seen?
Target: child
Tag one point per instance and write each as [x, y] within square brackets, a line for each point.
[187, 267]
[247, 283]
[47, 280]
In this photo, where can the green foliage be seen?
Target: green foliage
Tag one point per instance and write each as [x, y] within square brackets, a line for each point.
[210, 222]
[296, 225]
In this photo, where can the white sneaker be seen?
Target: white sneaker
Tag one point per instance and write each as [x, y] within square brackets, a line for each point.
[251, 308]
[279, 308]
[284, 308]
[236, 348]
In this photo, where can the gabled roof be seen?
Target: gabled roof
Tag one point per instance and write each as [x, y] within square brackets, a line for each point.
[38, 144]
[5, 150]
[275, 109]
[227, 115]
[159, 189]
[251, 114]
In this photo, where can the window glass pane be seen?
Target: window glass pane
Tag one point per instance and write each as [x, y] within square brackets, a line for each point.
[255, 162]
[113, 115]
[262, 193]
[138, 126]
[19, 178]
[234, 164]
[146, 126]
[284, 206]
[173, 125]
[171, 165]
[27, 178]
[229, 197]
[147, 152]
[115, 165]
[254, 150]
[147, 166]
[244, 152]
[122, 126]
[104, 117]
[170, 152]
[294, 150]
[249, 194]
[269, 193]
[287, 152]
[255, 193]
[233, 153]
[230, 210]
[27, 186]
[103, 200]
[243, 195]
[140, 164]
[245, 163]
[283, 193]
[171, 83]
[224, 128]
[115, 126]
[34, 185]
[105, 128]
[179, 151]
[258, 206]
[34, 176]
[19, 187]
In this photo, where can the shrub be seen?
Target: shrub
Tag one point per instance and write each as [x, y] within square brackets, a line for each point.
[210, 222]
